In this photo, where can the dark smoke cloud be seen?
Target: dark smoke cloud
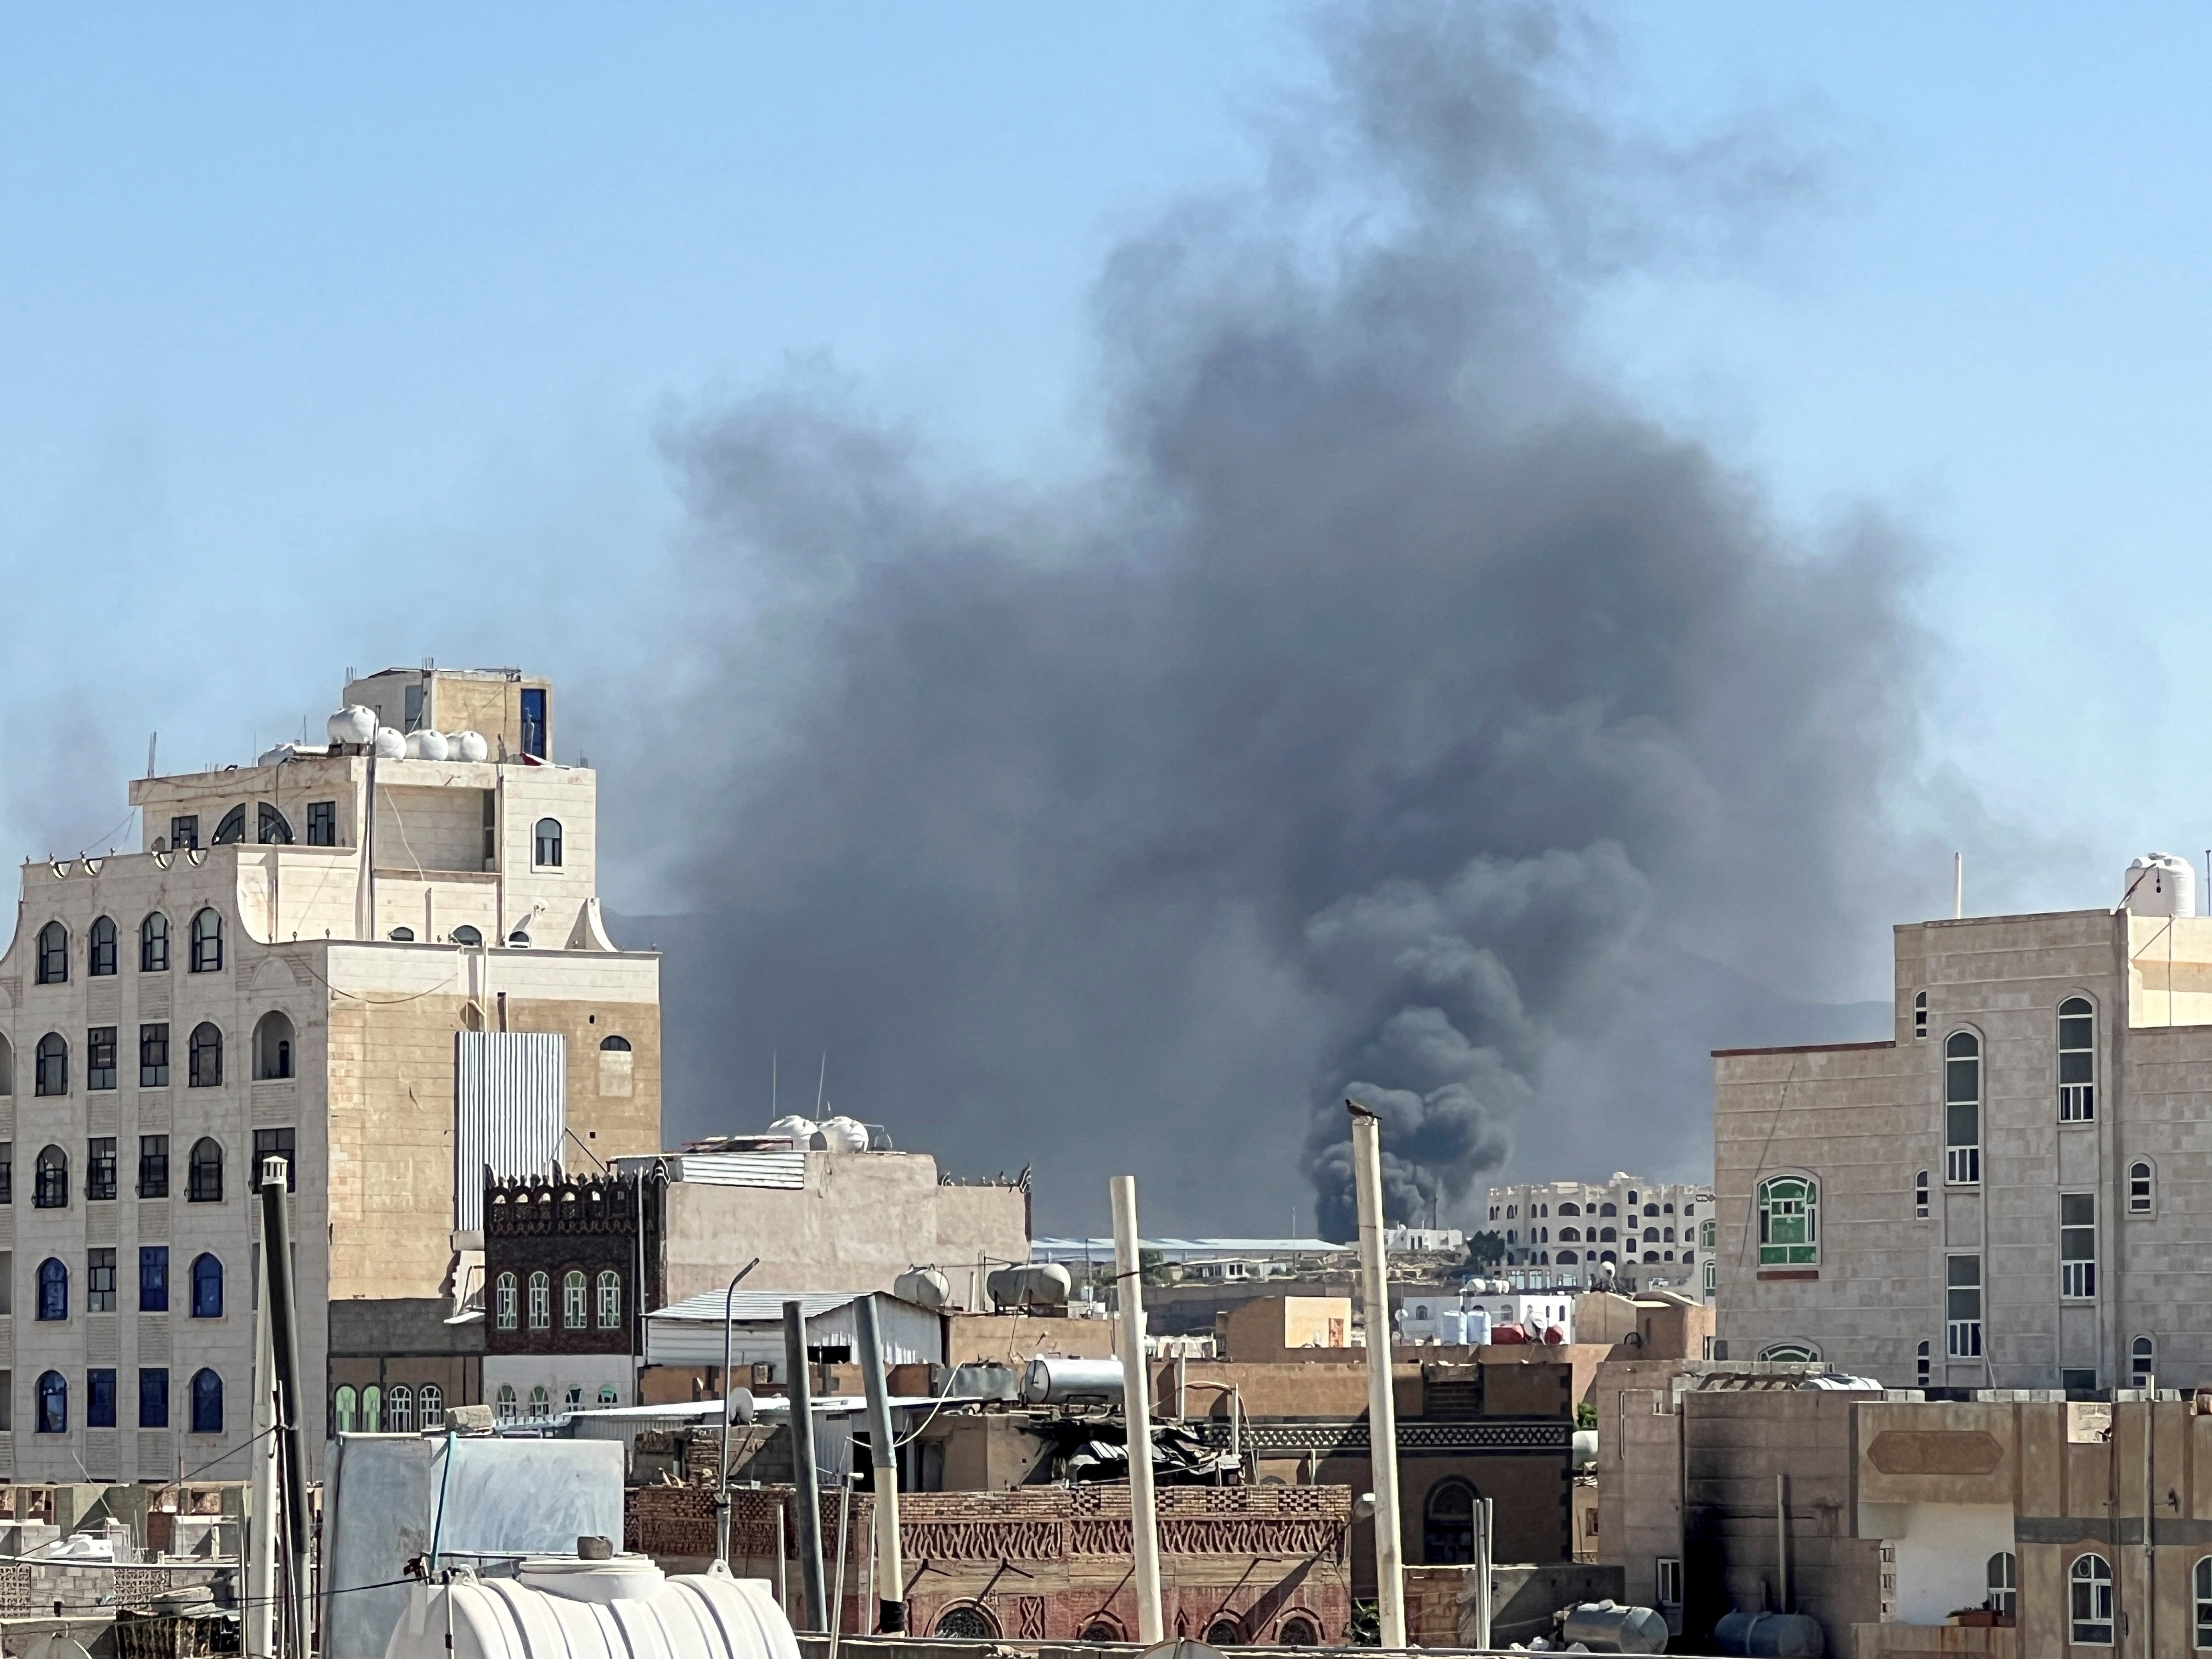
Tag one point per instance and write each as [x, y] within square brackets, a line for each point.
[1397, 709]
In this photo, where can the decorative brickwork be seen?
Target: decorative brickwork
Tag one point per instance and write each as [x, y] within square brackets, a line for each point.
[556, 1227]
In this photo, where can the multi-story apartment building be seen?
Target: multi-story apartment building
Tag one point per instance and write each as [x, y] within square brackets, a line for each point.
[1576, 1227]
[385, 967]
[2011, 1190]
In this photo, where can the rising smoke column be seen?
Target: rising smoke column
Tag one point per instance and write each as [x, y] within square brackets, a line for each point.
[1399, 707]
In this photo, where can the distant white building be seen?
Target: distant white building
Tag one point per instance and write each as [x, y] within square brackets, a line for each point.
[1569, 1231]
[1469, 1315]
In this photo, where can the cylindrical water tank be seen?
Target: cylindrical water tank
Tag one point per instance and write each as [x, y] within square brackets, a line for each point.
[1475, 1322]
[1508, 1334]
[1054, 1382]
[1451, 1327]
[925, 1287]
[426, 745]
[390, 745]
[467, 746]
[1604, 1627]
[1039, 1284]
[2160, 884]
[800, 1129]
[352, 724]
[559, 1608]
[843, 1135]
[1770, 1636]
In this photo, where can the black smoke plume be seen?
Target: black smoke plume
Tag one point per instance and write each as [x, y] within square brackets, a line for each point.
[1397, 713]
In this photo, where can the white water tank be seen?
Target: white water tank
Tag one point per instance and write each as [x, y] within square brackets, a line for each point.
[468, 746]
[2160, 884]
[925, 1287]
[559, 1608]
[426, 745]
[800, 1129]
[843, 1135]
[390, 745]
[352, 723]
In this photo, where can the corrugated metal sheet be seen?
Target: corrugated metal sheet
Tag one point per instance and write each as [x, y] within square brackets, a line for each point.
[1185, 1249]
[787, 1170]
[510, 1109]
[689, 1332]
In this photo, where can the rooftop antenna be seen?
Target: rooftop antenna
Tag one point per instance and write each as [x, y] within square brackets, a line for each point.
[1958, 885]
[820, 1083]
[153, 740]
[772, 1112]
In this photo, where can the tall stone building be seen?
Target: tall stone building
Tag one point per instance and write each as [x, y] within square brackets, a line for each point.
[1647, 1231]
[2010, 1191]
[389, 969]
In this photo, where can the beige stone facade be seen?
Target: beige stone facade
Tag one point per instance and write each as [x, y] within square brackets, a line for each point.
[288, 978]
[1998, 1197]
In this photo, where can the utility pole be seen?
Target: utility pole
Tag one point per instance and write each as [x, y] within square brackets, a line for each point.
[1381, 1404]
[891, 1606]
[1137, 1408]
[284, 1350]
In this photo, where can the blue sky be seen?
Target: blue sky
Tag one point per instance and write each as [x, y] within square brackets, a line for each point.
[344, 336]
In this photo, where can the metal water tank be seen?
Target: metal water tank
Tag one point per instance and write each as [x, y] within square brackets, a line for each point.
[1770, 1636]
[925, 1287]
[1054, 1382]
[352, 724]
[562, 1607]
[1608, 1628]
[1038, 1284]
[2160, 884]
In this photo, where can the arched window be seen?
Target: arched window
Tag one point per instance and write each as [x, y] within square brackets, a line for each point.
[1920, 1195]
[607, 1396]
[205, 1071]
[53, 954]
[572, 1397]
[2091, 1584]
[1296, 1632]
[207, 943]
[466, 933]
[503, 1403]
[503, 1301]
[207, 1402]
[2004, 1576]
[1102, 1628]
[610, 1300]
[1920, 1016]
[615, 1045]
[53, 1404]
[1789, 1222]
[1607, 1236]
[53, 1289]
[1571, 1209]
[2143, 1362]
[1607, 1209]
[53, 1065]
[1790, 1353]
[50, 1189]
[204, 1183]
[541, 1403]
[271, 829]
[548, 852]
[154, 945]
[2077, 1061]
[372, 1410]
[1566, 1258]
[1225, 1633]
[1651, 1255]
[1650, 1234]
[399, 1409]
[342, 1408]
[207, 1287]
[2203, 1588]
[7, 1069]
[1570, 1235]
[434, 1407]
[233, 827]
[576, 1308]
[968, 1622]
[541, 1302]
[1920, 1366]
[1962, 1109]
[2139, 1186]
[273, 1037]
[1447, 1524]
[100, 948]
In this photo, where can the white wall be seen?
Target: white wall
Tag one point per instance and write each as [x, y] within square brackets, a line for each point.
[1944, 1553]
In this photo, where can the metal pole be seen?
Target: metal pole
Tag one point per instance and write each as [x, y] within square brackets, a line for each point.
[782, 1565]
[798, 1391]
[883, 1456]
[1137, 1412]
[285, 1348]
[1382, 1405]
[844, 1530]
[1484, 1550]
[1781, 1543]
[722, 1483]
[261, 1565]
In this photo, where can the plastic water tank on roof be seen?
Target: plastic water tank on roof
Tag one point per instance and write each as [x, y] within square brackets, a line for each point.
[390, 745]
[843, 1135]
[800, 1129]
[468, 746]
[559, 1608]
[2160, 884]
[352, 723]
[426, 745]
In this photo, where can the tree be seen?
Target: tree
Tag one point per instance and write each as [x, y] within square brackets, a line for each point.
[1484, 1250]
